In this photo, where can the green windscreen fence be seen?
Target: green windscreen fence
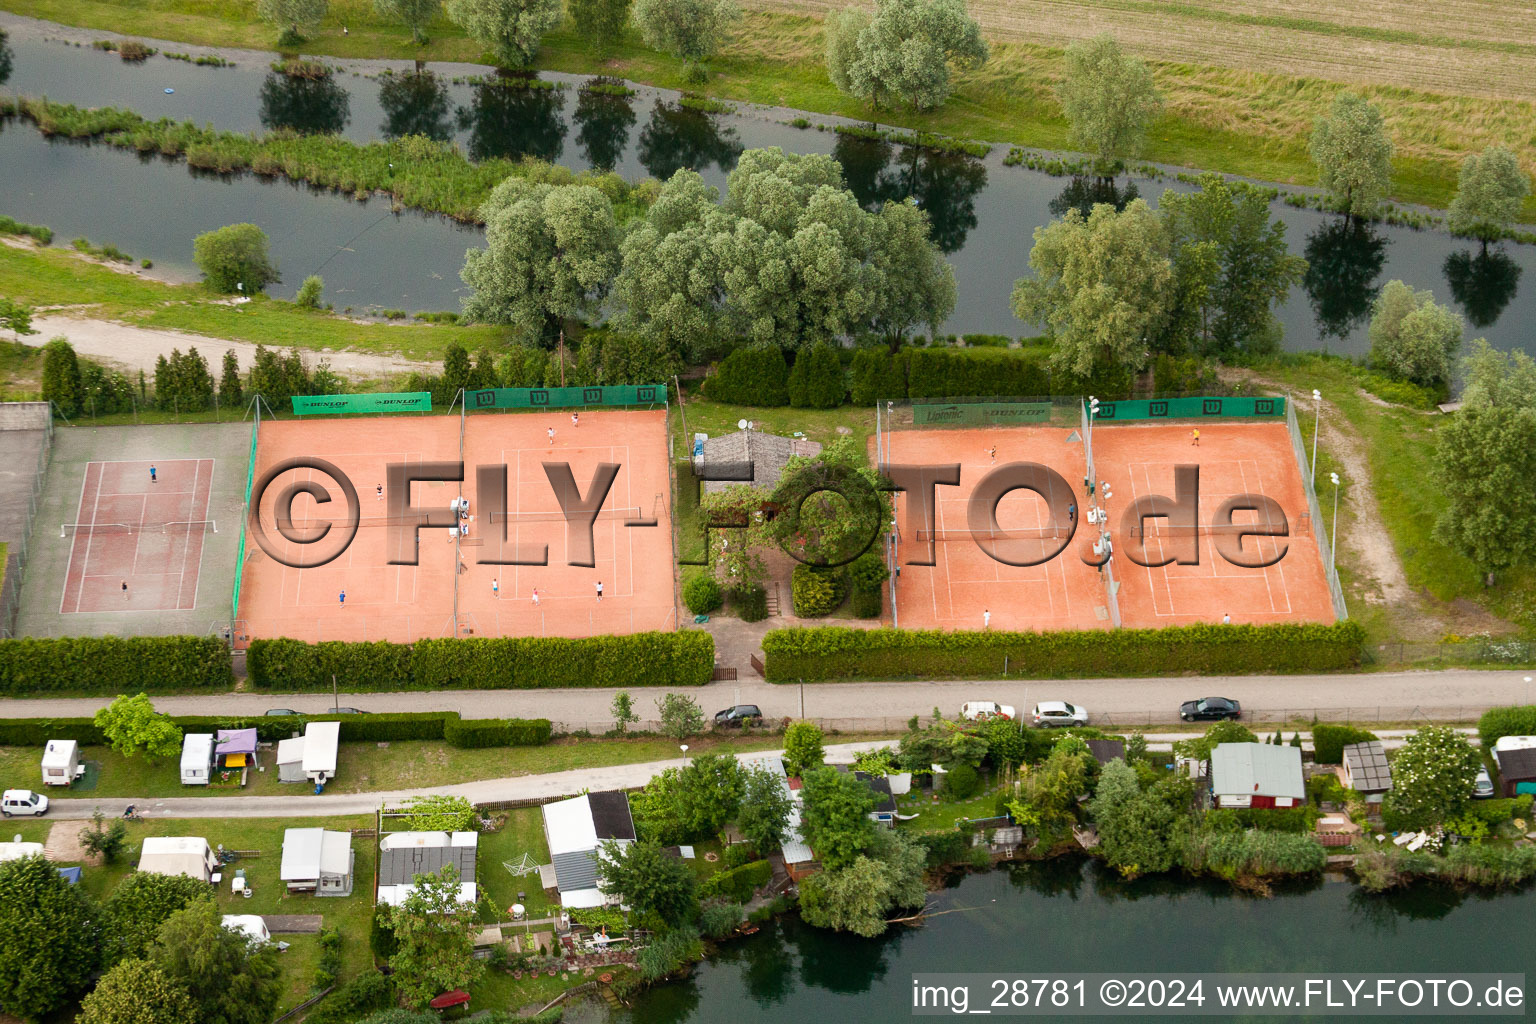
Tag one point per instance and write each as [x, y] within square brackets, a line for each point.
[566, 398]
[250, 473]
[1191, 409]
[405, 401]
[981, 413]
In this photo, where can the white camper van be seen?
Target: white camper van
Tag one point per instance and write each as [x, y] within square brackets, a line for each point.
[196, 758]
[61, 763]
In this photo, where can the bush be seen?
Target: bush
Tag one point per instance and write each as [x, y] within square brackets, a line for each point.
[737, 884]
[496, 732]
[817, 380]
[817, 591]
[702, 594]
[1329, 741]
[832, 652]
[667, 953]
[1252, 853]
[736, 855]
[1511, 721]
[750, 376]
[750, 602]
[878, 376]
[236, 254]
[720, 919]
[1502, 809]
[961, 782]
[293, 665]
[357, 998]
[944, 847]
[868, 574]
[309, 292]
[110, 664]
[1275, 819]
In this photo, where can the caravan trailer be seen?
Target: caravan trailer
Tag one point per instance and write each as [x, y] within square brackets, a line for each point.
[196, 758]
[61, 763]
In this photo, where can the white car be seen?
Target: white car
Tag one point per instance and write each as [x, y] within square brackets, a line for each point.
[1058, 712]
[23, 801]
[985, 711]
[1482, 789]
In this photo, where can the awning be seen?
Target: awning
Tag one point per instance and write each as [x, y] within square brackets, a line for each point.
[234, 760]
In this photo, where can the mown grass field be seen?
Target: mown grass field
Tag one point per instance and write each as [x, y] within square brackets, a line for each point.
[1244, 82]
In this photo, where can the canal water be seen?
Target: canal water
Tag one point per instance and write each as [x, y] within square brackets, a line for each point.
[1071, 915]
[983, 213]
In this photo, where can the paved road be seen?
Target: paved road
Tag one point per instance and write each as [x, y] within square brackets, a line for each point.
[1455, 694]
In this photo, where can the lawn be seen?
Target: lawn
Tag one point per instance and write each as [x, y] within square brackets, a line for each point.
[523, 833]
[940, 815]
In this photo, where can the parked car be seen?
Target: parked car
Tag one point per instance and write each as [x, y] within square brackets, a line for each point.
[23, 801]
[738, 715]
[281, 711]
[985, 710]
[345, 711]
[1210, 709]
[1058, 712]
[1482, 789]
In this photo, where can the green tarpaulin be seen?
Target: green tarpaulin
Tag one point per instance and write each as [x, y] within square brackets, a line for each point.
[315, 405]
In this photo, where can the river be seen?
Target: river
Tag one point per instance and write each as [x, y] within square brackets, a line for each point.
[1072, 915]
[983, 212]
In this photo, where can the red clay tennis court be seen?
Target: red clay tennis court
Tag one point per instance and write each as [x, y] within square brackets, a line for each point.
[146, 534]
[1234, 458]
[449, 591]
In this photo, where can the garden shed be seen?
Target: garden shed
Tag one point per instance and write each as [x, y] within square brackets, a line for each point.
[767, 453]
[1517, 767]
[61, 762]
[1105, 751]
[1256, 775]
[317, 860]
[575, 828]
[1366, 769]
[235, 748]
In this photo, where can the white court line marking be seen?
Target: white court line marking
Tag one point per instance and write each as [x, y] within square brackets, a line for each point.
[1285, 587]
[73, 546]
[197, 582]
[197, 473]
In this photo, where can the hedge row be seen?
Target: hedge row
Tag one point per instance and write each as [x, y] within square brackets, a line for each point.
[1512, 721]
[750, 376]
[1329, 741]
[738, 884]
[838, 653]
[485, 663]
[110, 664]
[974, 372]
[393, 726]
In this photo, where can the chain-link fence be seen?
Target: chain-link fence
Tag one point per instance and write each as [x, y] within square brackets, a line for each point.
[24, 416]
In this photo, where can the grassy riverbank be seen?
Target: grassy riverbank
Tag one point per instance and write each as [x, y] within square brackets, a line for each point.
[1248, 122]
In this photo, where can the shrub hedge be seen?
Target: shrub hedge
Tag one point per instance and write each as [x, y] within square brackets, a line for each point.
[737, 884]
[496, 732]
[834, 653]
[111, 664]
[816, 591]
[1501, 809]
[702, 594]
[921, 373]
[1511, 721]
[817, 380]
[867, 575]
[750, 376]
[750, 602]
[484, 663]
[400, 725]
[1329, 741]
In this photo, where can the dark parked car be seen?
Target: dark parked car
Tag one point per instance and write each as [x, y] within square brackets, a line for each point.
[739, 715]
[1210, 709]
[345, 711]
[281, 711]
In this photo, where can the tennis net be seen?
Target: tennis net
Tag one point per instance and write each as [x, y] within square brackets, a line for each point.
[127, 529]
[1161, 530]
[1031, 533]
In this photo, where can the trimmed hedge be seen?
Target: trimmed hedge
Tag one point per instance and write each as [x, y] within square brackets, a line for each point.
[750, 376]
[1512, 721]
[837, 653]
[1501, 809]
[702, 594]
[484, 663]
[817, 380]
[496, 732]
[737, 884]
[867, 575]
[111, 664]
[922, 373]
[1329, 741]
[816, 591]
[400, 725]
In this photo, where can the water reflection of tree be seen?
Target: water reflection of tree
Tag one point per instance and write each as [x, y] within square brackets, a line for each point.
[1343, 261]
[1482, 283]
[509, 121]
[1422, 901]
[602, 127]
[767, 962]
[944, 184]
[1058, 876]
[842, 963]
[416, 104]
[1083, 194]
[676, 137]
[7, 59]
[310, 106]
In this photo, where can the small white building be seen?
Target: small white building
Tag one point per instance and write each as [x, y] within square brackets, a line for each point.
[179, 855]
[576, 829]
[252, 926]
[404, 855]
[196, 758]
[311, 757]
[61, 763]
[290, 760]
[317, 860]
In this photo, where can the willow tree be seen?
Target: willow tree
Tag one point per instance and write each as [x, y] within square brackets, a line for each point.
[1353, 155]
[903, 53]
[1110, 101]
[509, 29]
[1488, 195]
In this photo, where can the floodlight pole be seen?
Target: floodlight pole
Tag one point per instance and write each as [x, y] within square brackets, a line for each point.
[1333, 538]
[1317, 423]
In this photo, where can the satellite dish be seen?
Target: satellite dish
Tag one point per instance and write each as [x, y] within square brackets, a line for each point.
[742, 424]
[749, 424]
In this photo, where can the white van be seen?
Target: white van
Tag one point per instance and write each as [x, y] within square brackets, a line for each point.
[23, 801]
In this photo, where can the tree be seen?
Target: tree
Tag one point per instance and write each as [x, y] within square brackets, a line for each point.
[834, 816]
[904, 52]
[1101, 286]
[1412, 337]
[438, 812]
[137, 992]
[103, 839]
[648, 880]
[1136, 829]
[681, 716]
[765, 807]
[600, 22]
[292, 17]
[61, 376]
[1051, 788]
[690, 30]
[509, 29]
[683, 805]
[802, 748]
[856, 898]
[1485, 459]
[915, 284]
[433, 931]
[234, 255]
[1432, 777]
[230, 979]
[1488, 195]
[231, 394]
[551, 253]
[308, 296]
[456, 368]
[1353, 155]
[1110, 101]
[415, 15]
[1231, 266]
[1221, 732]
[49, 939]
[140, 904]
[15, 318]
[738, 560]
[1494, 379]
[623, 708]
[132, 726]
